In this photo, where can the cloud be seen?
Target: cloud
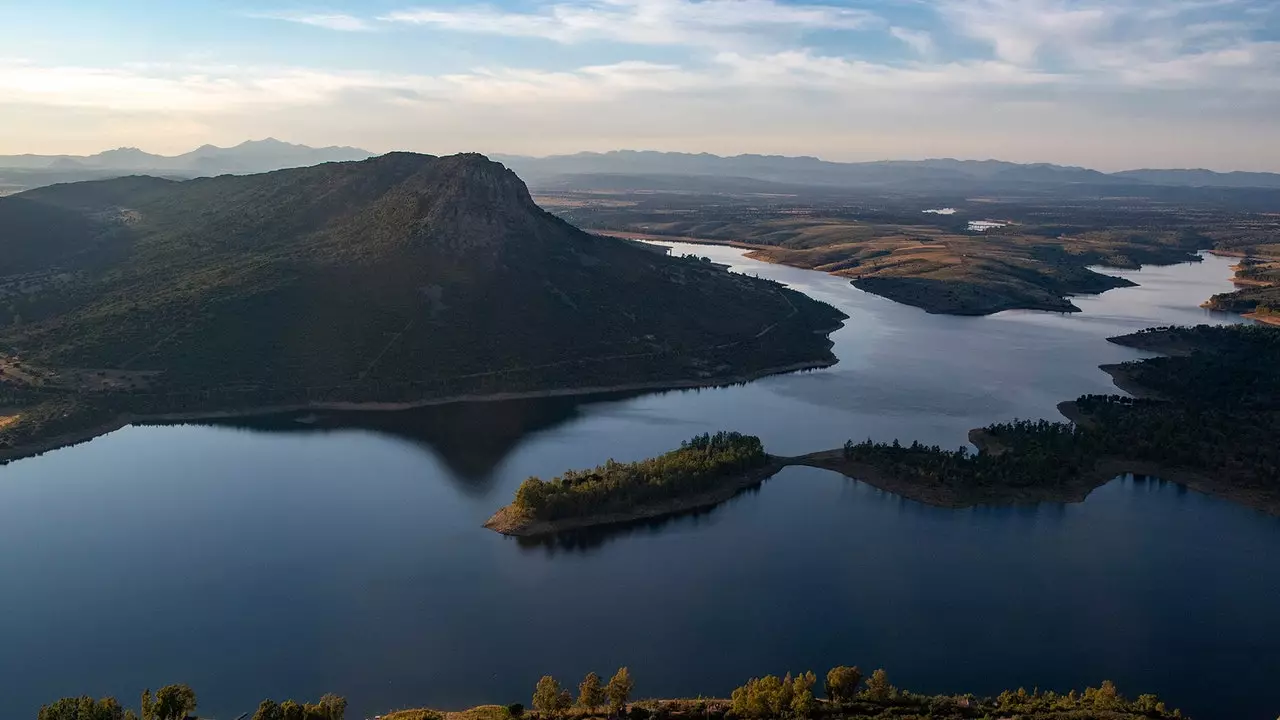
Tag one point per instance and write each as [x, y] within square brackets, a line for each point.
[644, 22]
[328, 21]
[918, 40]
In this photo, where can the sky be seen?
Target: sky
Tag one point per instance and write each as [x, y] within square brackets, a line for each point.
[1109, 84]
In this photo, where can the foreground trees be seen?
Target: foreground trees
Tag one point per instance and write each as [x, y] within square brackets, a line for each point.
[619, 690]
[86, 708]
[590, 692]
[842, 683]
[767, 698]
[330, 707]
[177, 702]
[550, 700]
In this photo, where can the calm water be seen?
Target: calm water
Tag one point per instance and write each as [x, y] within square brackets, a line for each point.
[288, 559]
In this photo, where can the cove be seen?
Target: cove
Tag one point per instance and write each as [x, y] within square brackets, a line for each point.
[293, 556]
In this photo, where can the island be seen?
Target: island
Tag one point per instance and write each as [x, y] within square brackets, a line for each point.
[703, 472]
[1206, 416]
[845, 693]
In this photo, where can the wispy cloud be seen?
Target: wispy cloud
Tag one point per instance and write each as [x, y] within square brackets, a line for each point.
[918, 40]
[643, 22]
[329, 21]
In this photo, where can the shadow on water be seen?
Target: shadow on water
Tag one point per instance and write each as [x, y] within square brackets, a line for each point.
[589, 540]
[471, 438]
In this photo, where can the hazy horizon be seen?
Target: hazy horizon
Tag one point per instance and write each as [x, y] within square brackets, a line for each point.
[604, 152]
[1105, 84]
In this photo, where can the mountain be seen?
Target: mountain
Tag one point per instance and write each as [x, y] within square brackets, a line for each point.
[586, 171]
[255, 156]
[1204, 178]
[397, 278]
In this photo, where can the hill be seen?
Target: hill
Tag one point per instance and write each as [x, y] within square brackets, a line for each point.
[601, 171]
[402, 278]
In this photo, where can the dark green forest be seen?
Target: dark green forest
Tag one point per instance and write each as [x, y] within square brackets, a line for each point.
[699, 465]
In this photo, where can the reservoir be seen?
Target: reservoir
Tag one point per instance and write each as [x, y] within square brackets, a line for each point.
[288, 557]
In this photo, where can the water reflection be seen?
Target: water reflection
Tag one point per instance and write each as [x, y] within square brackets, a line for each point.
[472, 439]
[587, 540]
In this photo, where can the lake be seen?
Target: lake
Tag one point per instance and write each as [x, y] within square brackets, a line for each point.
[279, 558]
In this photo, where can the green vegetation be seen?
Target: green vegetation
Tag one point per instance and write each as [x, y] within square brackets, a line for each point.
[699, 465]
[177, 702]
[145, 296]
[791, 697]
[766, 698]
[329, 707]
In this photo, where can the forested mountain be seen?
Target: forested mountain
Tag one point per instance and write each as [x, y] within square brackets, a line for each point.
[393, 278]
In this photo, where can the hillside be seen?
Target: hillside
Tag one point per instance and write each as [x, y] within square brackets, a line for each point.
[400, 278]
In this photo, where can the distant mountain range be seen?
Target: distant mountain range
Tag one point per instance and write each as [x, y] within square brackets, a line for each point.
[629, 169]
[254, 156]
[665, 171]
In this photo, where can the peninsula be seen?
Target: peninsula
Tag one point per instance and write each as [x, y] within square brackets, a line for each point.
[1208, 419]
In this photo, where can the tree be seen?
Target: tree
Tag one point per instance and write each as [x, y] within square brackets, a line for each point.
[290, 710]
[148, 706]
[174, 702]
[591, 692]
[564, 701]
[878, 687]
[619, 689]
[546, 696]
[1106, 697]
[85, 708]
[333, 706]
[842, 683]
[766, 697]
[802, 702]
[268, 710]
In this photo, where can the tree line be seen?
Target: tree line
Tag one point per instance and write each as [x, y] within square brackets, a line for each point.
[848, 696]
[178, 702]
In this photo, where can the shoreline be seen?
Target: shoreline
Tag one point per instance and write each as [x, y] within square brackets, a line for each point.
[931, 492]
[764, 253]
[1122, 380]
[124, 420]
[1269, 319]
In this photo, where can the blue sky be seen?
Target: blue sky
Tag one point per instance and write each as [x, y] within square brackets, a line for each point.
[1103, 83]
